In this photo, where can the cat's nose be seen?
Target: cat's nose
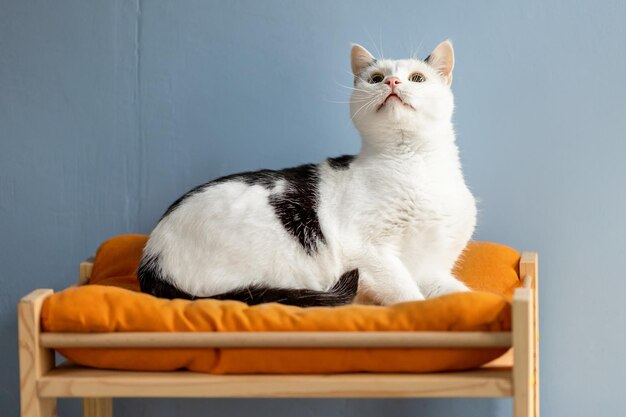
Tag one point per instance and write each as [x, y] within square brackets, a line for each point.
[392, 81]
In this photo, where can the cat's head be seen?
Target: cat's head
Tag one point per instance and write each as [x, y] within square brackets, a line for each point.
[406, 94]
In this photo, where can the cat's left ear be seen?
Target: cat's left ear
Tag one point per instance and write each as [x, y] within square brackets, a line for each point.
[442, 59]
[360, 59]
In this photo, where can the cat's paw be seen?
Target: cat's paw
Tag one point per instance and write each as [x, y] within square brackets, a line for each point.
[403, 297]
[448, 286]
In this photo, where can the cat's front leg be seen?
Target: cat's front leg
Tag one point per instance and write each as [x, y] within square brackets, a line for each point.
[384, 279]
[435, 285]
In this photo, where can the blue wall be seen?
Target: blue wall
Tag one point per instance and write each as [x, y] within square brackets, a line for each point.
[111, 109]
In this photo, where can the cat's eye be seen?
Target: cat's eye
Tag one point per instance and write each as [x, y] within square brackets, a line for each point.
[417, 78]
[376, 78]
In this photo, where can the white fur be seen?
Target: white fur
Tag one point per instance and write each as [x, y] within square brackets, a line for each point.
[401, 213]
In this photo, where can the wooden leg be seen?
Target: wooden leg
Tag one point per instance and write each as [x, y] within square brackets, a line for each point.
[529, 266]
[536, 343]
[35, 361]
[97, 407]
[523, 354]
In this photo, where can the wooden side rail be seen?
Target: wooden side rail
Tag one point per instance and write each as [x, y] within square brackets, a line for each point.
[441, 339]
[77, 382]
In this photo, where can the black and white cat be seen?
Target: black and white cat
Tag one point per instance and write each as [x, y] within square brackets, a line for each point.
[382, 227]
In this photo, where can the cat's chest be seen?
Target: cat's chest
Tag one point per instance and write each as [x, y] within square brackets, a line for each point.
[421, 186]
[419, 201]
[386, 203]
[412, 203]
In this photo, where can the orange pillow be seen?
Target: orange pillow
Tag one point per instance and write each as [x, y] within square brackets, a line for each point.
[112, 303]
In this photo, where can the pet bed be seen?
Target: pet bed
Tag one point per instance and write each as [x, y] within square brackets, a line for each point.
[123, 343]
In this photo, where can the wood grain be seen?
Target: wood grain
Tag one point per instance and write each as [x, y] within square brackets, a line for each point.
[278, 339]
[523, 351]
[72, 381]
[97, 407]
[34, 360]
[529, 266]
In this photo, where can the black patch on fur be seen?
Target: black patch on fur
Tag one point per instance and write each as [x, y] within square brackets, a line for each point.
[151, 282]
[341, 162]
[296, 208]
[264, 177]
[427, 59]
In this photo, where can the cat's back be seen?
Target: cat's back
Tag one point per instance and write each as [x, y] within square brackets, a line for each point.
[254, 227]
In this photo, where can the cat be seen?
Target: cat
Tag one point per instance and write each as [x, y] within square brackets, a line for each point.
[381, 227]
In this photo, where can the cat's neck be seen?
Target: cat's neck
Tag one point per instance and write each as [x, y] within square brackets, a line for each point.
[407, 144]
[406, 157]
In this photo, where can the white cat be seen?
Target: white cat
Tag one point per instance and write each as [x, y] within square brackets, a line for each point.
[390, 221]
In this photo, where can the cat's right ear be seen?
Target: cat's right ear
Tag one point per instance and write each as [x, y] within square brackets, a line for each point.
[360, 59]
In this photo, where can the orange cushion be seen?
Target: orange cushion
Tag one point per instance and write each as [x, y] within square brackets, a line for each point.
[112, 303]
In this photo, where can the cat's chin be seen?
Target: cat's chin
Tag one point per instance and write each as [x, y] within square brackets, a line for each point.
[394, 113]
[392, 102]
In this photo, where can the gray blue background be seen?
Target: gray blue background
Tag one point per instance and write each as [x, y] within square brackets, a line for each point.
[111, 109]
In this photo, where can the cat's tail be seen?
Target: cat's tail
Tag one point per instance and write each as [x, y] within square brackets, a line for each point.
[343, 292]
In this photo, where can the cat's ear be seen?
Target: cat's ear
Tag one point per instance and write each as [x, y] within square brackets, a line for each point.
[442, 59]
[360, 59]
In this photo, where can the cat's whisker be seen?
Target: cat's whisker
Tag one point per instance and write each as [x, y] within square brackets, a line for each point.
[352, 88]
[414, 54]
[353, 100]
[337, 102]
[358, 95]
[369, 35]
[359, 90]
[360, 108]
[354, 76]
[373, 101]
[347, 72]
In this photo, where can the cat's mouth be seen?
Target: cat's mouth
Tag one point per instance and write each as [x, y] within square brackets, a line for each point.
[392, 97]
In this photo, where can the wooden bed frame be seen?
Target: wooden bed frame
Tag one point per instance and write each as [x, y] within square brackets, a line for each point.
[516, 374]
